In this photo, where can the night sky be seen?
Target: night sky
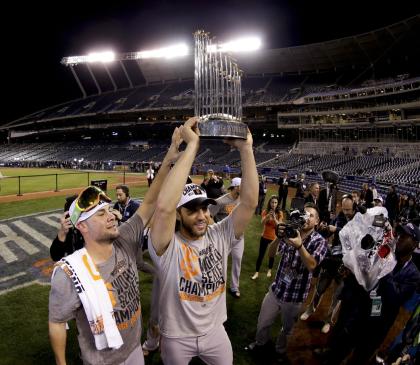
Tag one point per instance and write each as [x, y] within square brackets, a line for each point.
[35, 36]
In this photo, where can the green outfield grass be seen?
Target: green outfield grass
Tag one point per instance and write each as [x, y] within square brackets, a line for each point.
[30, 180]
[25, 332]
[25, 311]
[19, 208]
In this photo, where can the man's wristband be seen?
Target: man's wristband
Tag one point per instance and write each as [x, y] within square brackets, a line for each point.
[298, 248]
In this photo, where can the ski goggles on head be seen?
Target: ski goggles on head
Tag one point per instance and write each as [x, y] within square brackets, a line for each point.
[88, 199]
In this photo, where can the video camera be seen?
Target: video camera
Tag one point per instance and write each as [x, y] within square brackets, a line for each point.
[296, 221]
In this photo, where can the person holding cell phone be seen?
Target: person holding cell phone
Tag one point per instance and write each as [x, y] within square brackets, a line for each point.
[68, 238]
[270, 218]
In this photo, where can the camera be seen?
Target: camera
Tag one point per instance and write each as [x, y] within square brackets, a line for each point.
[297, 219]
[379, 221]
[288, 229]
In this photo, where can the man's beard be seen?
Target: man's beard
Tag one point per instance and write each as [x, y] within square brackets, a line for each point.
[108, 237]
[191, 232]
[306, 228]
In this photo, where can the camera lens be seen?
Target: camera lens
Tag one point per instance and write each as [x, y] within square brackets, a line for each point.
[290, 232]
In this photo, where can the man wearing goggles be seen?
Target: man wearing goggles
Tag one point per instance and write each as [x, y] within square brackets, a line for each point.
[89, 201]
[104, 269]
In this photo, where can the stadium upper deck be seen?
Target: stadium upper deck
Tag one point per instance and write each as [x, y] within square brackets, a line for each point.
[300, 87]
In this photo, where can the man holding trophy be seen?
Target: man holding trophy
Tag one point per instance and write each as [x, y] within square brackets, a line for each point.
[192, 259]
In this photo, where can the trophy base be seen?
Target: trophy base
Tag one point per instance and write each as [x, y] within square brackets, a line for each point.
[220, 128]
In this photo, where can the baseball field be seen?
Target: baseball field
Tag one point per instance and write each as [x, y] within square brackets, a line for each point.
[28, 224]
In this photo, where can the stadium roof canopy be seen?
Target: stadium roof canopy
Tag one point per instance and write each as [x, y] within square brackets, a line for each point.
[363, 49]
[396, 41]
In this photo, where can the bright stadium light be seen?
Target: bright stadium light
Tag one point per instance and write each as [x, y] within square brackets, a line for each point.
[104, 57]
[177, 50]
[247, 44]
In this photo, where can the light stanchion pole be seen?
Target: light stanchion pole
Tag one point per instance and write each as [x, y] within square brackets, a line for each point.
[19, 193]
[56, 182]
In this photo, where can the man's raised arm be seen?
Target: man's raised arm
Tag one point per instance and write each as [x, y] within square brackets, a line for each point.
[243, 213]
[148, 206]
[164, 218]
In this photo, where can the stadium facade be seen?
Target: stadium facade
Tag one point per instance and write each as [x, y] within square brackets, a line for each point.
[343, 96]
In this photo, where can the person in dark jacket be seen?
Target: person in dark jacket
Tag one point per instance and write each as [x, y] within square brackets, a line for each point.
[125, 205]
[410, 211]
[212, 184]
[68, 238]
[283, 189]
[391, 204]
[356, 328]
[262, 191]
[406, 349]
[313, 196]
[301, 187]
[328, 202]
[366, 196]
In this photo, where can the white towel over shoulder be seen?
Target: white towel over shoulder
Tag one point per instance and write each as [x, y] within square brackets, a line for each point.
[94, 297]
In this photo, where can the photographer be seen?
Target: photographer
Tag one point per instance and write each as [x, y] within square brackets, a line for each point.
[331, 267]
[301, 250]
[212, 184]
[68, 239]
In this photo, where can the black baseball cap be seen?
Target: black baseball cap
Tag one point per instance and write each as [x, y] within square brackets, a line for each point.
[410, 229]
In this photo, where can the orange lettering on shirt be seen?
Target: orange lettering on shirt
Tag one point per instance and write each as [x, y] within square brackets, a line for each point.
[111, 294]
[189, 263]
[229, 208]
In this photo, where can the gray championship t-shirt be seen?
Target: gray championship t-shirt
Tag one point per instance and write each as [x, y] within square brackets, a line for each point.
[225, 205]
[120, 275]
[193, 281]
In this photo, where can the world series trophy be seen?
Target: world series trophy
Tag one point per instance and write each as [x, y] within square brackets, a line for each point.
[217, 83]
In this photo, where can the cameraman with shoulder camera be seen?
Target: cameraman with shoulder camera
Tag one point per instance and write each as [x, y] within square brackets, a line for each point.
[331, 267]
[359, 330]
[301, 250]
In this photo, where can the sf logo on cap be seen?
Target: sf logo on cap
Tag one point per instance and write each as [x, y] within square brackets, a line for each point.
[192, 189]
[197, 191]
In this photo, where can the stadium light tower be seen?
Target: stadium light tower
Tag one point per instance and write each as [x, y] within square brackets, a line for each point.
[101, 57]
[104, 58]
[177, 50]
